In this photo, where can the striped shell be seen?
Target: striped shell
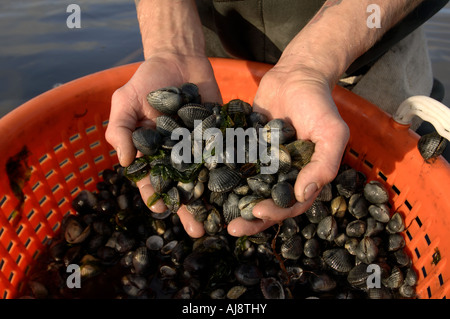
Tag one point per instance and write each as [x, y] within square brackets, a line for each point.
[223, 179]
[146, 140]
[292, 247]
[431, 145]
[165, 125]
[191, 112]
[338, 259]
[283, 194]
[230, 208]
[166, 100]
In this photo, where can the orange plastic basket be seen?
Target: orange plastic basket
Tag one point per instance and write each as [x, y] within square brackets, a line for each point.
[63, 131]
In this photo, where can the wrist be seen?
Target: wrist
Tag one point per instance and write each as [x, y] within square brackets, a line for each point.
[173, 28]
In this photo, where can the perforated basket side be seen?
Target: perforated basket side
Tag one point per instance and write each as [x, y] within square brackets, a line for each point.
[63, 131]
[387, 152]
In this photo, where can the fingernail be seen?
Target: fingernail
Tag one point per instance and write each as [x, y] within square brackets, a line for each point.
[310, 190]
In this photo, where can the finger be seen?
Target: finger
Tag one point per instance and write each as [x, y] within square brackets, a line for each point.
[324, 163]
[241, 227]
[122, 122]
[146, 189]
[193, 228]
[268, 210]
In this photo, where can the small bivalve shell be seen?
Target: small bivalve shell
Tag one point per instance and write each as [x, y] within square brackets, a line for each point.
[192, 112]
[292, 247]
[431, 145]
[338, 259]
[358, 206]
[395, 224]
[380, 212]
[223, 179]
[283, 194]
[283, 129]
[367, 250]
[271, 288]
[376, 193]
[327, 229]
[317, 212]
[166, 100]
[356, 228]
[146, 140]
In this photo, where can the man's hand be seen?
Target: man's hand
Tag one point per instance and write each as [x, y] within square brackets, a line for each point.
[304, 99]
[130, 109]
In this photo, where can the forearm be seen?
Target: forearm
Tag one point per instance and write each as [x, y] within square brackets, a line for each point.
[170, 26]
[338, 34]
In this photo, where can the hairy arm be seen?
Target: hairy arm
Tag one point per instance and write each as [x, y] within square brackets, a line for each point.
[172, 26]
[338, 34]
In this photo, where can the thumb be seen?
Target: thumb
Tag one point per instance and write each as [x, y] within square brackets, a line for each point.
[122, 122]
[323, 166]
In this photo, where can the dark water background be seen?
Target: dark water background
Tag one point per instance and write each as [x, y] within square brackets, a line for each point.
[38, 50]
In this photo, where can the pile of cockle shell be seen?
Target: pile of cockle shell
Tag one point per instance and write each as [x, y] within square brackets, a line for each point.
[126, 251]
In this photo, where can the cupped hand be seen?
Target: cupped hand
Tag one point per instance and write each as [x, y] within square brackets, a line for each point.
[130, 109]
[302, 97]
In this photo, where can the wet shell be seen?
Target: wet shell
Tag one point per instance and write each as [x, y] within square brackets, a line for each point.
[367, 250]
[261, 184]
[395, 224]
[218, 198]
[357, 276]
[356, 228]
[202, 126]
[284, 160]
[283, 194]
[137, 170]
[358, 206]
[213, 222]
[322, 283]
[271, 288]
[301, 152]
[256, 119]
[236, 292]
[376, 193]
[395, 242]
[141, 260]
[431, 145]
[197, 209]
[317, 212]
[309, 231]
[395, 279]
[159, 183]
[154, 242]
[289, 227]
[326, 193]
[192, 112]
[411, 277]
[173, 199]
[146, 140]
[283, 129]
[166, 100]
[292, 247]
[373, 227]
[238, 106]
[338, 206]
[380, 212]
[327, 229]
[379, 293]
[349, 182]
[165, 125]
[248, 274]
[338, 259]
[223, 179]
[246, 205]
[311, 249]
[190, 92]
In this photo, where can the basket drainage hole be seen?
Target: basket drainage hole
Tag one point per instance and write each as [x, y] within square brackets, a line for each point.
[368, 164]
[395, 189]
[418, 221]
[383, 177]
[354, 153]
[441, 280]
